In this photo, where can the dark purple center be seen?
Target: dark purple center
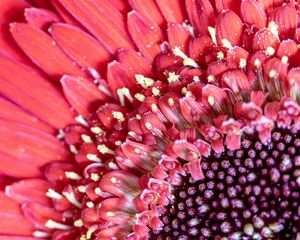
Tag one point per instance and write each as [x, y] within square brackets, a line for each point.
[251, 193]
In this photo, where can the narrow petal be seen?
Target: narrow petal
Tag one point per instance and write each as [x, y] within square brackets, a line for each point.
[134, 61]
[25, 167]
[201, 14]
[230, 27]
[172, 10]
[228, 4]
[80, 46]
[121, 5]
[10, 215]
[149, 9]
[6, 16]
[253, 13]
[286, 19]
[35, 43]
[145, 34]
[65, 15]
[27, 88]
[30, 190]
[20, 140]
[269, 5]
[12, 112]
[178, 36]
[82, 94]
[40, 18]
[97, 22]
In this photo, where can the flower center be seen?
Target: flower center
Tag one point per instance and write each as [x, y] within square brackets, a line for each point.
[250, 193]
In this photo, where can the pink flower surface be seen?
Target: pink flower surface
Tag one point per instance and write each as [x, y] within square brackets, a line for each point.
[149, 119]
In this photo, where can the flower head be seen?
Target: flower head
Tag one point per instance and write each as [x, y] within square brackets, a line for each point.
[184, 121]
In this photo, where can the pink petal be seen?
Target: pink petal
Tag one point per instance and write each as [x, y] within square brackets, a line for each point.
[97, 22]
[253, 13]
[35, 43]
[149, 9]
[80, 46]
[66, 16]
[145, 34]
[22, 141]
[172, 10]
[12, 112]
[82, 94]
[228, 4]
[201, 15]
[27, 88]
[178, 36]
[30, 190]
[121, 5]
[11, 10]
[40, 18]
[230, 27]
[134, 61]
[25, 167]
[10, 215]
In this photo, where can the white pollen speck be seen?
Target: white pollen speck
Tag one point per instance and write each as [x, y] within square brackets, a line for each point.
[270, 51]
[104, 149]
[248, 229]
[73, 149]
[119, 116]
[113, 180]
[122, 93]
[243, 63]
[73, 175]
[213, 34]
[93, 157]
[40, 234]
[86, 138]
[61, 134]
[98, 191]
[95, 177]
[285, 59]
[140, 97]
[53, 194]
[78, 223]
[155, 91]
[82, 188]
[173, 77]
[145, 82]
[90, 204]
[226, 44]
[55, 225]
[81, 120]
[211, 100]
[96, 130]
[272, 73]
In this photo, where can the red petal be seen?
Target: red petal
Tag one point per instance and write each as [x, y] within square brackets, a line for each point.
[22, 141]
[93, 18]
[178, 36]
[253, 13]
[80, 46]
[11, 10]
[199, 48]
[134, 62]
[25, 168]
[82, 94]
[145, 34]
[35, 43]
[10, 215]
[265, 39]
[32, 92]
[39, 214]
[66, 16]
[40, 18]
[230, 27]
[121, 5]
[228, 4]
[12, 112]
[269, 5]
[118, 77]
[201, 15]
[149, 9]
[31, 190]
[172, 10]
[286, 19]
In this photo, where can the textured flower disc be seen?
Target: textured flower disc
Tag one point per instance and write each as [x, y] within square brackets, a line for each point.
[184, 120]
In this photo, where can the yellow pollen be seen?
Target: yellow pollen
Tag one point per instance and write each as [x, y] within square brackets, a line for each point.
[97, 191]
[86, 138]
[93, 157]
[243, 63]
[173, 77]
[144, 81]
[95, 177]
[78, 223]
[210, 78]
[272, 73]
[270, 51]
[140, 97]
[220, 55]
[96, 130]
[171, 101]
[119, 116]
[155, 91]
[211, 100]
[103, 149]
[285, 59]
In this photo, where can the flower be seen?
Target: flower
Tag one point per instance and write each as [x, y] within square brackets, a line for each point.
[184, 120]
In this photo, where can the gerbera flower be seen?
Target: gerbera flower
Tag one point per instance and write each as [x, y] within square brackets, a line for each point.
[151, 119]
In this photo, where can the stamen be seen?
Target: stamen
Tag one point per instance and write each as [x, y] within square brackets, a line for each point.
[55, 225]
[145, 82]
[104, 149]
[81, 120]
[122, 93]
[96, 130]
[119, 116]
[93, 157]
[72, 199]
[86, 138]
[73, 175]
[53, 194]
[78, 223]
